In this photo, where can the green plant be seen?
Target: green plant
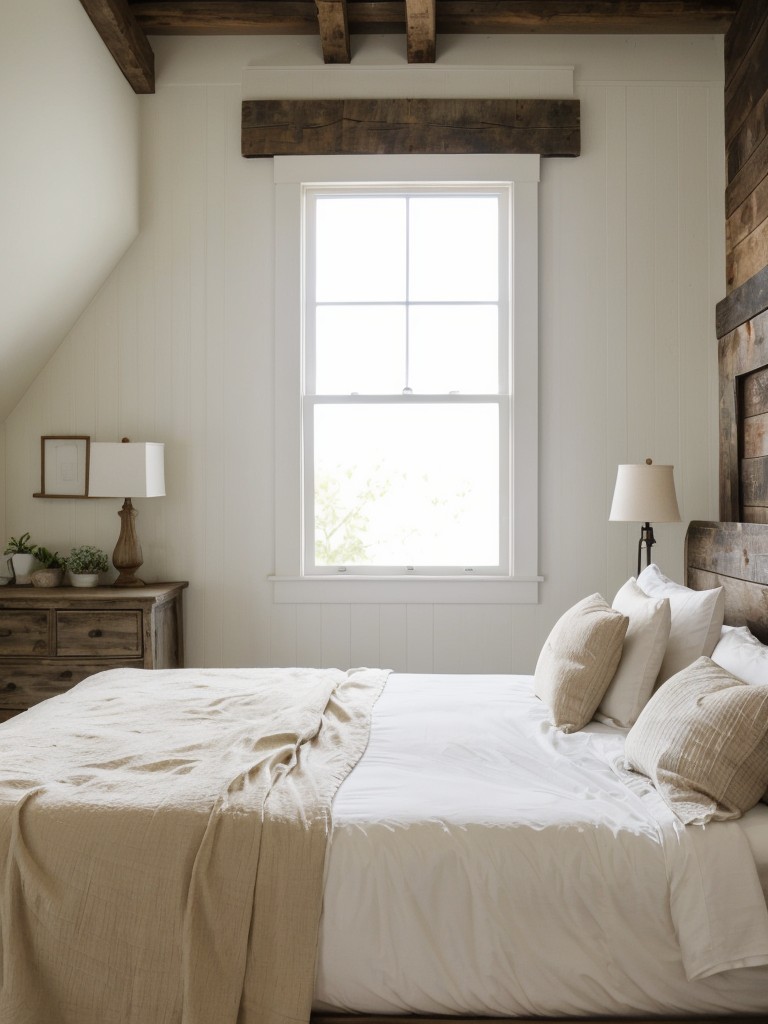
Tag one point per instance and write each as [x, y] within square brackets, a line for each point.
[20, 546]
[86, 559]
[49, 560]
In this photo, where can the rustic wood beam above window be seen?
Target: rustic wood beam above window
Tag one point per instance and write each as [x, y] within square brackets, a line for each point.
[125, 39]
[420, 31]
[334, 31]
[323, 127]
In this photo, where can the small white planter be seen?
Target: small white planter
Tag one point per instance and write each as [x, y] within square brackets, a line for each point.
[84, 579]
[23, 567]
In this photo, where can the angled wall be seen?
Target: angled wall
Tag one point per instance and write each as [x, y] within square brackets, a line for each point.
[68, 179]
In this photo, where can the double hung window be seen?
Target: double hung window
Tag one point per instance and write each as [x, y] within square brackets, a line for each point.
[406, 379]
[406, 455]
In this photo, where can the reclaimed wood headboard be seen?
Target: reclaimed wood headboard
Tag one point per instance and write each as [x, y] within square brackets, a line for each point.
[733, 556]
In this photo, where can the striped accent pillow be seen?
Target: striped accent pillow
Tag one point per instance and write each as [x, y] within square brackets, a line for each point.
[702, 739]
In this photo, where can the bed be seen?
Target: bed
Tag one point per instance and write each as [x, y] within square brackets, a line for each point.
[465, 858]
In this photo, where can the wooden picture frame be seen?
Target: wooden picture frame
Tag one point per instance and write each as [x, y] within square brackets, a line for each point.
[64, 465]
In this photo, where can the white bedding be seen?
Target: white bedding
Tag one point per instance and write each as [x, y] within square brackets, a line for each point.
[484, 863]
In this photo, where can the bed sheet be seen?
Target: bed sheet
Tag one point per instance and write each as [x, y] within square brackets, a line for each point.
[459, 880]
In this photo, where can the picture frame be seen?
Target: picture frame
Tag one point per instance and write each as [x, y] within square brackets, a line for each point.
[64, 465]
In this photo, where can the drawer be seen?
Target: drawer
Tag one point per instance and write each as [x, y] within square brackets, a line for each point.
[23, 632]
[96, 633]
[24, 683]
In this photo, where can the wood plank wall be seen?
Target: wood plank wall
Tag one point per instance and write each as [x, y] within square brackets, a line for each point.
[742, 320]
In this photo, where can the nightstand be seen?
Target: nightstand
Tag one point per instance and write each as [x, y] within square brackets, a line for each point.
[52, 637]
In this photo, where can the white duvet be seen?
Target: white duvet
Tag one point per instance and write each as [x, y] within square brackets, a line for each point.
[484, 863]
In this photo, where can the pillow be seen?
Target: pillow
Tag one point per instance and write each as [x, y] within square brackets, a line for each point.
[578, 661]
[697, 617]
[641, 657]
[742, 654]
[702, 739]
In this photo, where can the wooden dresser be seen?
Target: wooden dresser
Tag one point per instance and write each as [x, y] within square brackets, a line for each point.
[51, 638]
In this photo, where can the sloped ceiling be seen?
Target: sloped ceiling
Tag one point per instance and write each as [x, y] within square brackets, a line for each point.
[68, 179]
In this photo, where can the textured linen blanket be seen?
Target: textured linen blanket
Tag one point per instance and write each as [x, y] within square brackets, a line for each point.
[162, 844]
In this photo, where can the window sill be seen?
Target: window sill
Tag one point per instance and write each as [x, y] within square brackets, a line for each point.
[343, 589]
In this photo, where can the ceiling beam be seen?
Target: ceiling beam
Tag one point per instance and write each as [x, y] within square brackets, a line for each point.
[420, 31]
[292, 17]
[334, 31]
[126, 41]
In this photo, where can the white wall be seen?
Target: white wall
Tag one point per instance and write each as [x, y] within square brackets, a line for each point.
[68, 179]
[177, 347]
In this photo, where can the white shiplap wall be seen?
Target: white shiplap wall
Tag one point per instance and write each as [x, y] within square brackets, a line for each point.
[177, 347]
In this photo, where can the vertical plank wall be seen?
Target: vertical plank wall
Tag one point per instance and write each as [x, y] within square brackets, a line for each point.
[178, 347]
[742, 317]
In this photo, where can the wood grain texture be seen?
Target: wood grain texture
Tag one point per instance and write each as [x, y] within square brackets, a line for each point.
[741, 352]
[304, 127]
[756, 436]
[420, 31]
[749, 176]
[742, 31]
[736, 550]
[746, 75]
[754, 482]
[334, 31]
[754, 396]
[750, 255]
[748, 217]
[502, 16]
[747, 137]
[51, 638]
[116, 23]
[744, 303]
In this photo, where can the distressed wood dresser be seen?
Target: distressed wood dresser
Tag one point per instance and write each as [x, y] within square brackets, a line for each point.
[51, 638]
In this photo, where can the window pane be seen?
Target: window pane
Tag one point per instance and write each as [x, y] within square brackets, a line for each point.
[407, 484]
[454, 248]
[360, 249]
[454, 348]
[360, 349]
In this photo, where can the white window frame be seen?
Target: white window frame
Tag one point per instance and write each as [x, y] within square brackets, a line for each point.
[520, 584]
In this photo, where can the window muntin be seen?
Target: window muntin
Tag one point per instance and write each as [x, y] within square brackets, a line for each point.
[406, 409]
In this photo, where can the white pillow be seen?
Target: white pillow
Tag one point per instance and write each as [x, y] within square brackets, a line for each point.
[743, 656]
[697, 618]
[645, 644]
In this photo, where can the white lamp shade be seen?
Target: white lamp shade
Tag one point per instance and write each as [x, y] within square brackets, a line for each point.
[645, 494]
[126, 470]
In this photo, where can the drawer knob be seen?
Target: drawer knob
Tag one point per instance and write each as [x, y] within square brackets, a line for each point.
[65, 675]
[9, 687]
[5, 632]
[94, 632]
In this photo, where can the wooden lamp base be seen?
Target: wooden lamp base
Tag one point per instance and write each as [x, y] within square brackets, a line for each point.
[127, 556]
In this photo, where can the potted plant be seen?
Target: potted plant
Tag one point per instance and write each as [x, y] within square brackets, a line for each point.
[84, 564]
[52, 572]
[22, 562]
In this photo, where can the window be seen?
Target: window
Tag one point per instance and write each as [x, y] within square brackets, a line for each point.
[406, 376]
[406, 382]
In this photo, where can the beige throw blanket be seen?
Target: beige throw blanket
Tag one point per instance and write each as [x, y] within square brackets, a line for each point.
[162, 844]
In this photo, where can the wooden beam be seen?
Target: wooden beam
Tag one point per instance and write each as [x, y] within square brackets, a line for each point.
[744, 303]
[304, 127]
[334, 31]
[125, 40]
[291, 17]
[420, 31]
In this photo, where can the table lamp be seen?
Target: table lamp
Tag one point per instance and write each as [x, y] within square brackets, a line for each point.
[644, 494]
[120, 468]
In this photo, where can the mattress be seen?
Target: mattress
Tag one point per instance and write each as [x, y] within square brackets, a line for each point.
[483, 863]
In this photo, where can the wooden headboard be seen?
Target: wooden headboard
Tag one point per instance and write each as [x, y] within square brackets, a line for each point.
[733, 556]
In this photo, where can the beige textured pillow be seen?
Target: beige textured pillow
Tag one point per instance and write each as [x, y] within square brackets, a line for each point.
[702, 739]
[644, 648]
[578, 661]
